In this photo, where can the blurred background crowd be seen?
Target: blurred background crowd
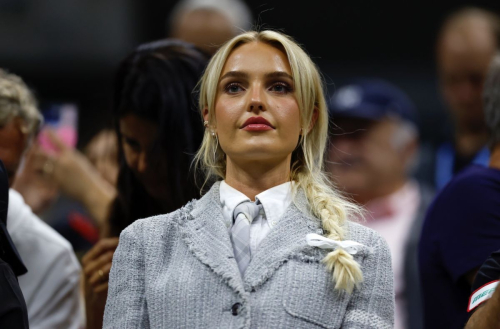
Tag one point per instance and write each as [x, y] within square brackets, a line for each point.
[99, 123]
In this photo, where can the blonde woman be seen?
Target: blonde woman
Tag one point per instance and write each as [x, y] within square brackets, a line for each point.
[270, 244]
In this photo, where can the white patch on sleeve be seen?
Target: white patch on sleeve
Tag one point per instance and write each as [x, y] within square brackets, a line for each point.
[482, 294]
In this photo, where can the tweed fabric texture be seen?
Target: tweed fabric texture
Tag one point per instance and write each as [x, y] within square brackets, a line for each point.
[178, 271]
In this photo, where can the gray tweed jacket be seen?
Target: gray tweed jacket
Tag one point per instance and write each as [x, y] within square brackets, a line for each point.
[178, 271]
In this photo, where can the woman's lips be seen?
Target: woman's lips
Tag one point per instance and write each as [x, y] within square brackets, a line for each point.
[257, 124]
[257, 127]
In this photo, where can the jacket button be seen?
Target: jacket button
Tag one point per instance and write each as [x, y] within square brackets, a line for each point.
[235, 309]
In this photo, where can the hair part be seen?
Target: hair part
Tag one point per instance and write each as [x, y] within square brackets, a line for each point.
[491, 101]
[17, 100]
[306, 167]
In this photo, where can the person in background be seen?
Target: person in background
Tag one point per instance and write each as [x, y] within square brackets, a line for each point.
[373, 147]
[102, 152]
[462, 226]
[208, 24]
[466, 44]
[72, 218]
[51, 286]
[13, 312]
[69, 216]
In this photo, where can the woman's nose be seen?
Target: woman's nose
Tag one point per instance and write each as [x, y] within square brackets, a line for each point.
[257, 103]
[142, 164]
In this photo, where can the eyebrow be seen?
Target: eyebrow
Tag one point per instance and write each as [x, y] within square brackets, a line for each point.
[244, 75]
[278, 74]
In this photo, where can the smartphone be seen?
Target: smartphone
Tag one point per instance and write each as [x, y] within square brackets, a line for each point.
[63, 120]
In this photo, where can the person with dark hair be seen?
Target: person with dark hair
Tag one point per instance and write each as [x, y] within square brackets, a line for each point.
[13, 312]
[159, 131]
[462, 226]
[466, 44]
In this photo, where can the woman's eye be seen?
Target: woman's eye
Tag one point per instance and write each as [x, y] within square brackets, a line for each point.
[233, 88]
[281, 88]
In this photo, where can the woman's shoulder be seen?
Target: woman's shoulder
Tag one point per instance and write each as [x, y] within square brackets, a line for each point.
[166, 224]
[377, 261]
[366, 236]
[159, 224]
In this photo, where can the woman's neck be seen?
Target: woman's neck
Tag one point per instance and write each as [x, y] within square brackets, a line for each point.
[254, 177]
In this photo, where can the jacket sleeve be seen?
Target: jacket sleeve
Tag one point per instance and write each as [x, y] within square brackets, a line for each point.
[372, 305]
[126, 305]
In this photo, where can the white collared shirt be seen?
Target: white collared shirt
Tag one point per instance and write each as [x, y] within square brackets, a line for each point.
[274, 201]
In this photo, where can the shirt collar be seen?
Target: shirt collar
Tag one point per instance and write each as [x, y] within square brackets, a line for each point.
[274, 200]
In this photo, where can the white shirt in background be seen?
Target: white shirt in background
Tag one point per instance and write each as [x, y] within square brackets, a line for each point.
[51, 287]
[392, 217]
[274, 201]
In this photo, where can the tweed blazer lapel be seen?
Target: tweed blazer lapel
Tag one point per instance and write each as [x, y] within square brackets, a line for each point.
[208, 238]
[286, 238]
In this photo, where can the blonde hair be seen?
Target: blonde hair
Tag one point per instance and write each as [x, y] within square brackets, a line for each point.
[16, 100]
[307, 160]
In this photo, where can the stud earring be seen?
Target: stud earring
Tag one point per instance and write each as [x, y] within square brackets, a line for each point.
[205, 123]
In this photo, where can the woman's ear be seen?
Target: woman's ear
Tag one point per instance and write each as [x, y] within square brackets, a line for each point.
[314, 118]
[205, 114]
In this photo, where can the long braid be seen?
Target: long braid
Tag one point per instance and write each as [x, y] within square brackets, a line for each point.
[332, 209]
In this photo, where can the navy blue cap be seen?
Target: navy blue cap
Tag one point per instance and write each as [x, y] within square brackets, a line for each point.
[372, 99]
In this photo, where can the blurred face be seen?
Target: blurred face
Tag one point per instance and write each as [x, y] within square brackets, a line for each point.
[12, 147]
[257, 115]
[102, 152]
[463, 61]
[363, 158]
[138, 140]
[207, 29]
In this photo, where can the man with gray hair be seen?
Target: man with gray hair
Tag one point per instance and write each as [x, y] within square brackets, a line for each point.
[51, 286]
[462, 227]
[208, 24]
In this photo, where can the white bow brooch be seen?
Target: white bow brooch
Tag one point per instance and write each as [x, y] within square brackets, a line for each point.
[316, 240]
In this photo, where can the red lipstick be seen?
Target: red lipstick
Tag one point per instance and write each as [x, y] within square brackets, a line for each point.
[257, 124]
